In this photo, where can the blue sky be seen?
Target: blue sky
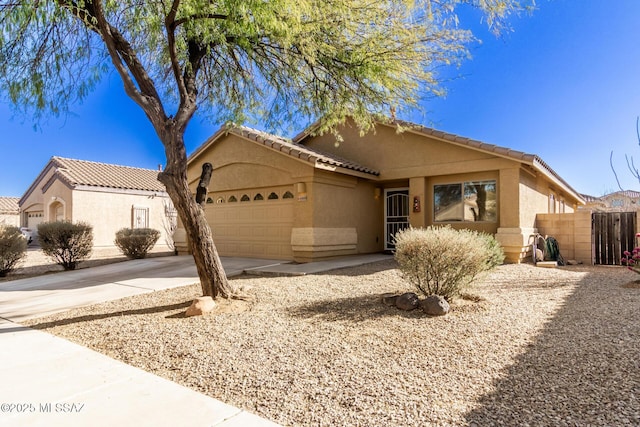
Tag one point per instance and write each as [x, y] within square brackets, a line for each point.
[563, 84]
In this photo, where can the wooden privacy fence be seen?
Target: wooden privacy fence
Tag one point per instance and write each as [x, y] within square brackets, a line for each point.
[612, 234]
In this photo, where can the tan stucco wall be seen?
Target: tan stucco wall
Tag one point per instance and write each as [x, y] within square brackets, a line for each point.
[10, 219]
[572, 231]
[238, 163]
[346, 215]
[519, 222]
[336, 213]
[405, 155]
[109, 212]
[333, 214]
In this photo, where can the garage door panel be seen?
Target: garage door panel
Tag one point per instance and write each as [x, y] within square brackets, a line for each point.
[252, 229]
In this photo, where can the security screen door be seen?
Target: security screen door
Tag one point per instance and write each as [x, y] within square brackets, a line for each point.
[396, 214]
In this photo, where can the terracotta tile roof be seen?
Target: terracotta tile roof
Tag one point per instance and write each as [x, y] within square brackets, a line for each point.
[300, 151]
[530, 159]
[9, 205]
[626, 193]
[81, 172]
[317, 158]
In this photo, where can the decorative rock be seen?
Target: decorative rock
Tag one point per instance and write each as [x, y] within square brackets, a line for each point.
[200, 306]
[389, 299]
[408, 301]
[435, 305]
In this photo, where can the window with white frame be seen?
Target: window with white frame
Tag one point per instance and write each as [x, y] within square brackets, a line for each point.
[471, 201]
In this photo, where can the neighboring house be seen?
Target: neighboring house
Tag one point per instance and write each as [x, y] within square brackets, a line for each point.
[9, 211]
[315, 198]
[619, 201]
[109, 197]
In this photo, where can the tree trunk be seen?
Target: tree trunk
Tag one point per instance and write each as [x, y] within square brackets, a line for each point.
[212, 276]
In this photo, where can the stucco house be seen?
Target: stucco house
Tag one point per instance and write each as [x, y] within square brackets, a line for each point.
[313, 197]
[618, 201]
[109, 197]
[9, 211]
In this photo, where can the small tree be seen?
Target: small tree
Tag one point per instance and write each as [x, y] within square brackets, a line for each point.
[442, 261]
[66, 242]
[135, 243]
[276, 61]
[13, 247]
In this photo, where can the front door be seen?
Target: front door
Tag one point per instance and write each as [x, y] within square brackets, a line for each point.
[396, 214]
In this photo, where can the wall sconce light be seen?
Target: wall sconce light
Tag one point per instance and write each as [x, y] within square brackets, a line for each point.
[377, 192]
[301, 189]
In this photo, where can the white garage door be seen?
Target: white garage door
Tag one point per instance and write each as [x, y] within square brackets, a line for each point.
[255, 229]
[33, 219]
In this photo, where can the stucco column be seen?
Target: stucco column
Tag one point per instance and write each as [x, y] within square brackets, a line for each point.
[417, 188]
[512, 236]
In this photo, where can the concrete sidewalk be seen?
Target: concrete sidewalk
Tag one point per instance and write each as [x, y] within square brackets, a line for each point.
[49, 381]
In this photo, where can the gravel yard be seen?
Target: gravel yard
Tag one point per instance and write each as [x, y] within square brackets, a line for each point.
[544, 347]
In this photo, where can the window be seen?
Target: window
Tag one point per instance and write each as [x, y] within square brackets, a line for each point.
[140, 217]
[473, 201]
[220, 200]
[232, 199]
[258, 197]
[273, 196]
[209, 200]
[287, 195]
[245, 198]
[552, 203]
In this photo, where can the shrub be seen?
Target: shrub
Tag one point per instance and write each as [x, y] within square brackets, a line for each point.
[66, 242]
[443, 261]
[495, 253]
[136, 242]
[13, 247]
[632, 259]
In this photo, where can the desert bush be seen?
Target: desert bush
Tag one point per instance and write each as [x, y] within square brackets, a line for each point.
[443, 261]
[66, 242]
[136, 242]
[494, 252]
[13, 247]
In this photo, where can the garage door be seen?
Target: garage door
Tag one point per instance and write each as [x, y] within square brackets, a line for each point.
[255, 229]
[33, 219]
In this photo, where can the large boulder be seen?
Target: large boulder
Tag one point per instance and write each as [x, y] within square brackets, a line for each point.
[200, 306]
[408, 301]
[435, 305]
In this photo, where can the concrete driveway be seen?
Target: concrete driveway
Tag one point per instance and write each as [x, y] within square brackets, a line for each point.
[51, 293]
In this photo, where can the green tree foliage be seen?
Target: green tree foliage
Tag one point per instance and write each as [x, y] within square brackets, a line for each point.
[13, 247]
[135, 243]
[275, 61]
[66, 242]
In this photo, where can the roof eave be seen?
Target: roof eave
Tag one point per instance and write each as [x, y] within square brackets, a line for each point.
[539, 165]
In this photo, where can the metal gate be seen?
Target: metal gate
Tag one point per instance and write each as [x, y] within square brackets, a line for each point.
[396, 217]
[612, 233]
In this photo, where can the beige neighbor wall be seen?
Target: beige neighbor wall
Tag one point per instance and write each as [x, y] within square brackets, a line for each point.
[572, 231]
[108, 212]
[10, 219]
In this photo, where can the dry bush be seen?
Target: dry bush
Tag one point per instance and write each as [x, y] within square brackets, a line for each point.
[135, 243]
[13, 247]
[66, 242]
[443, 261]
